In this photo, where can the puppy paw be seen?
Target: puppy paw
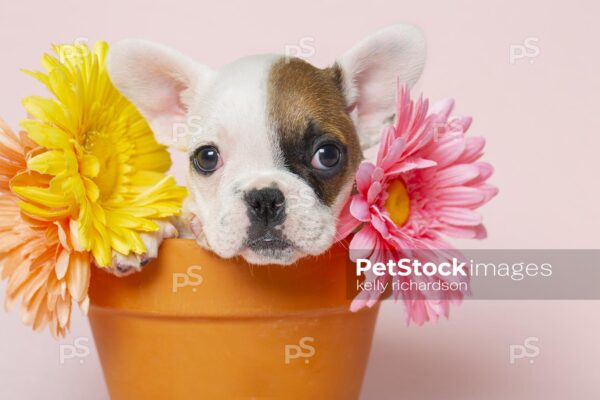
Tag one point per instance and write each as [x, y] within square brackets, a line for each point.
[123, 265]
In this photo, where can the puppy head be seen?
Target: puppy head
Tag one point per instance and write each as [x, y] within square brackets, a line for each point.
[273, 142]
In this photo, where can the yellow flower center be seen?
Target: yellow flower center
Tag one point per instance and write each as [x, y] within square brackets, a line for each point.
[102, 146]
[398, 202]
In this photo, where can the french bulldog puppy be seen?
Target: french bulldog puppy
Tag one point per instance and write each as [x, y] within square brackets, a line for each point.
[273, 142]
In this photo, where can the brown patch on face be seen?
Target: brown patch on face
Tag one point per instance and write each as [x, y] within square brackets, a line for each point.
[307, 109]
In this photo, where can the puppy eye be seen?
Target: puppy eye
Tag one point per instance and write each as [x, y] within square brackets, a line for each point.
[326, 157]
[206, 159]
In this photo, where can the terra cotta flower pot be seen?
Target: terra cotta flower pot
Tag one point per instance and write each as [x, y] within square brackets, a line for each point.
[194, 326]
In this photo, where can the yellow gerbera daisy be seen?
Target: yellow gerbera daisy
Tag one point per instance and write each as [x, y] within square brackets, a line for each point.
[106, 168]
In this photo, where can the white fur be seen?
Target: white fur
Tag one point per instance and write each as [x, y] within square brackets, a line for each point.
[160, 81]
[232, 113]
[189, 105]
[371, 70]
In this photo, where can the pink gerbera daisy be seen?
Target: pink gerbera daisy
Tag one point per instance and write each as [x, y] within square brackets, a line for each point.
[425, 183]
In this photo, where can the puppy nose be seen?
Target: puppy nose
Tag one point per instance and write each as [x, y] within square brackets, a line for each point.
[266, 206]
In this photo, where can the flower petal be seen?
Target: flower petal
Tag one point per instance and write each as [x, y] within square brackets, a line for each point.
[374, 192]
[62, 264]
[78, 278]
[448, 152]
[393, 154]
[363, 243]
[411, 164]
[359, 208]
[442, 109]
[363, 177]
[464, 232]
[473, 149]
[50, 162]
[346, 223]
[485, 170]
[489, 191]
[41, 196]
[459, 216]
[461, 196]
[456, 175]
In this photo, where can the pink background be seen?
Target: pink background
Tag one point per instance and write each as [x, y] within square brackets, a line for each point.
[539, 115]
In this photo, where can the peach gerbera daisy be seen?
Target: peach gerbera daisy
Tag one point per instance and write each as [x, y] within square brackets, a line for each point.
[37, 258]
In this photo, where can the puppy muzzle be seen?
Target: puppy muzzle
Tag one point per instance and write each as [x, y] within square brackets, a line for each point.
[267, 212]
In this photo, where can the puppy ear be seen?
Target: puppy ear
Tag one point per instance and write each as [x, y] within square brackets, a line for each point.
[370, 71]
[160, 82]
